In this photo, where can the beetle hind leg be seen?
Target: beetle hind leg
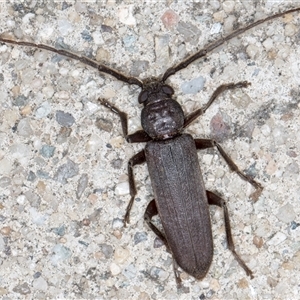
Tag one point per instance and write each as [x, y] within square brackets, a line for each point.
[150, 212]
[214, 199]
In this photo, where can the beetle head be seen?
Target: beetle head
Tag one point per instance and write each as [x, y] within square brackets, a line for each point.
[162, 117]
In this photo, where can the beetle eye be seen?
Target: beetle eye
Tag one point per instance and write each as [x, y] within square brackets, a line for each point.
[167, 90]
[143, 96]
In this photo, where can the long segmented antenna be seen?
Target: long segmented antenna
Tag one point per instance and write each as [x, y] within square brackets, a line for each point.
[81, 58]
[203, 52]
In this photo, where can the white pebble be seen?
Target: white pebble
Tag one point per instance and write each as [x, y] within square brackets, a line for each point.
[40, 284]
[290, 29]
[64, 27]
[268, 44]
[122, 188]
[94, 143]
[48, 91]
[286, 213]
[216, 28]
[5, 166]
[228, 6]
[125, 15]
[43, 111]
[121, 255]
[278, 238]
[21, 199]
[252, 50]
[115, 269]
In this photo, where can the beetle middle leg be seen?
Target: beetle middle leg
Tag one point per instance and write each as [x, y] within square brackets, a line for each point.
[150, 212]
[139, 136]
[210, 143]
[214, 199]
[137, 159]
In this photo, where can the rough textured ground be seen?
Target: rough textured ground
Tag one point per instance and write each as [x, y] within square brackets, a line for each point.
[63, 159]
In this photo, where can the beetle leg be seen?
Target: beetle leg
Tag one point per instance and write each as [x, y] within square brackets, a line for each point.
[209, 143]
[222, 88]
[139, 136]
[137, 159]
[150, 212]
[213, 199]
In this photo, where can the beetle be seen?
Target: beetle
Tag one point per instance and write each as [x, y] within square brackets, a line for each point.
[180, 197]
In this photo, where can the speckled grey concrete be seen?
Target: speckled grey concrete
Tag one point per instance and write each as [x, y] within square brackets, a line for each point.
[63, 159]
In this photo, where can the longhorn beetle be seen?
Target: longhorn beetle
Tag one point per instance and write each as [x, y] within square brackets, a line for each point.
[180, 198]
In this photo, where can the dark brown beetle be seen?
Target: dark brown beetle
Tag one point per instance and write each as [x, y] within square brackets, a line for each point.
[180, 197]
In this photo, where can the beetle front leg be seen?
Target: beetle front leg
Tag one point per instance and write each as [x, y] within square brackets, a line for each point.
[137, 159]
[213, 199]
[139, 136]
[222, 88]
[150, 212]
[209, 143]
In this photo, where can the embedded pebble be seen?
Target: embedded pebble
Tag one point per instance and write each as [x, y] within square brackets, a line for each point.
[20, 101]
[93, 144]
[63, 135]
[6, 166]
[193, 86]
[253, 51]
[43, 110]
[60, 253]
[6, 230]
[277, 239]
[82, 185]
[290, 29]
[158, 274]
[64, 119]
[138, 67]
[107, 250]
[140, 237]
[220, 127]
[158, 243]
[47, 151]
[86, 36]
[125, 15]
[114, 269]
[258, 241]
[162, 50]
[130, 272]
[24, 128]
[291, 169]
[228, 6]
[121, 255]
[189, 32]
[5, 182]
[170, 19]
[64, 27]
[40, 284]
[66, 171]
[117, 223]
[122, 188]
[61, 230]
[22, 289]
[216, 28]
[37, 217]
[286, 213]
[31, 176]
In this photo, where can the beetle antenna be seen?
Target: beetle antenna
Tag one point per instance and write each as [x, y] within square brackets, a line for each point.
[204, 51]
[84, 59]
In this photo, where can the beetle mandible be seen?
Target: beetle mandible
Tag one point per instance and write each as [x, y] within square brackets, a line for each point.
[180, 197]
